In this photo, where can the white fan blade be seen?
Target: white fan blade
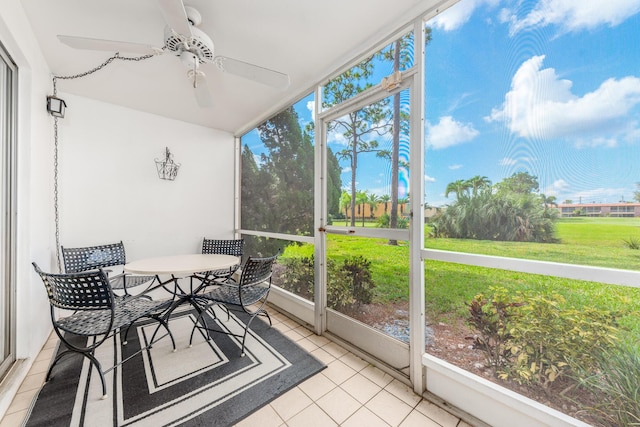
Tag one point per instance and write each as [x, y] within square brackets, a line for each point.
[108, 45]
[253, 72]
[175, 16]
[202, 93]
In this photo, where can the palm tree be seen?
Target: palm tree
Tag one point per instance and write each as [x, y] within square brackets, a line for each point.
[402, 202]
[372, 201]
[459, 187]
[361, 200]
[548, 201]
[385, 199]
[478, 183]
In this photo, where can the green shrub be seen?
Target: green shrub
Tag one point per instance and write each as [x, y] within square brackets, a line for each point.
[383, 221]
[632, 243]
[403, 223]
[350, 282]
[298, 276]
[490, 316]
[547, 340]
[339, 289]
[616, 383]
[534, 339]
[359, 274]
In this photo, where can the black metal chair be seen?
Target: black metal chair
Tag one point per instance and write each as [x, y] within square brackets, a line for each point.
[226, 247]
[103, 256]
[249, 295]
[96, 313]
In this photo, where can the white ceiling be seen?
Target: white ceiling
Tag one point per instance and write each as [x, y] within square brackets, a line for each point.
[303, 38]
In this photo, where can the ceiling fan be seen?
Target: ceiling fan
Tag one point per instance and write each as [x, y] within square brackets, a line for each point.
[183, 38]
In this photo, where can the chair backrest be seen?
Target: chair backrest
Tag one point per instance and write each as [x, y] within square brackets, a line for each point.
[224, 247]
[89, 290]
[92, 257]
[257, 270]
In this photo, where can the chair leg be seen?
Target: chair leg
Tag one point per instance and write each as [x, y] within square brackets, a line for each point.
[246, 329]
[98, 367]
[92, 361]
[126, 334]
[259, 312]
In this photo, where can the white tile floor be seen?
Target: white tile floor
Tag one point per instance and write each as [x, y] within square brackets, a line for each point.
[349, 392]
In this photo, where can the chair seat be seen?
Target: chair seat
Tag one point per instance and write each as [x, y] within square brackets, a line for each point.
[228, 294]
[216, 275]
[96, 322]
[118, 282]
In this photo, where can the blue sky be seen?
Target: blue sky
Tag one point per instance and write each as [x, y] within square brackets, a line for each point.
[548, 87]
[551, 88]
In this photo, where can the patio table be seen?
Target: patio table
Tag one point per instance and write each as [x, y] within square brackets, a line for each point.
[181, 266]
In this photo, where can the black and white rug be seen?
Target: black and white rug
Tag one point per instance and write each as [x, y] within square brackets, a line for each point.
[204, 385]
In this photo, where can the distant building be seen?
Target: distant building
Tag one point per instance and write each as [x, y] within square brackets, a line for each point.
[599, 209]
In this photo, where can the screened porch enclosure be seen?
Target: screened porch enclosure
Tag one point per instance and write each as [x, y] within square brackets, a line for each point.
[518, 248]
[425, 174]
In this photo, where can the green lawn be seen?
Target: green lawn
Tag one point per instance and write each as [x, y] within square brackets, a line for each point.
[589, 241]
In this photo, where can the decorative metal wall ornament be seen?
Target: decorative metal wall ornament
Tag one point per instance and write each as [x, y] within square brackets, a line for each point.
[167, 168]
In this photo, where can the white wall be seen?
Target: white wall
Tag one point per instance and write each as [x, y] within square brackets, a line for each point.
[109, 188]
[34, 225]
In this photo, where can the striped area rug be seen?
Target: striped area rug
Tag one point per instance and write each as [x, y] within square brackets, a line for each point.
[207, 384]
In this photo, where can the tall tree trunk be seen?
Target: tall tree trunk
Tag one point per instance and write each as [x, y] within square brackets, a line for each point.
[395, 164]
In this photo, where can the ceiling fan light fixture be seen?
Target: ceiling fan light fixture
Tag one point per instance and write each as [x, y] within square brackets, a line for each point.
[189, 59]
[200, 44]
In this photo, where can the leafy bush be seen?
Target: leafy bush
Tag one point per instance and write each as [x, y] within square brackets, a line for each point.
[497, 216]
[533, 339]
[616, 381]
[339, 289]
[298, 276]
[547, 340]
[491, 318]
[359, 273]
[350, 282]
[383, 221]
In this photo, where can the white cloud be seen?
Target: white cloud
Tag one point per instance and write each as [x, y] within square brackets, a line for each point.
[455, 167]
[448, 132]
[428, 178]
[573, 15]
[541, 105]
[506, 161]
[457, 15]
[563, 191]
[556, 188]
[311, 106]
[337, 138]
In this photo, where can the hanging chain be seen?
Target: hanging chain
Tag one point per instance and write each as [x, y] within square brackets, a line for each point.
[55, 135]
[55, 187]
